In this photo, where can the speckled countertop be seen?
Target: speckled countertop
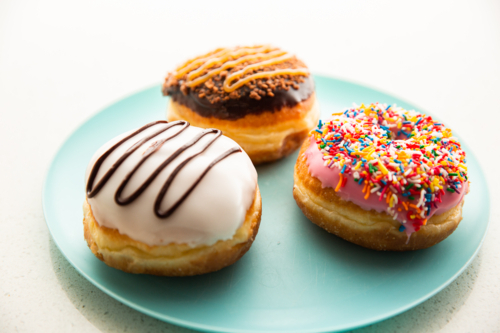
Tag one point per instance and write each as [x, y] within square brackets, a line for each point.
[61, 61]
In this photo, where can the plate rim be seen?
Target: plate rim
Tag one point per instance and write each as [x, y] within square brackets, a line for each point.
[210, 328]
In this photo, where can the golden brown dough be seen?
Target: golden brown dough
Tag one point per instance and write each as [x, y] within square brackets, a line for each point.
[369, 229]
[265, 137]
[122, 252]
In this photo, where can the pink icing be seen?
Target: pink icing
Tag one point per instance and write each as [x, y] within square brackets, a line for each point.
[352, 191]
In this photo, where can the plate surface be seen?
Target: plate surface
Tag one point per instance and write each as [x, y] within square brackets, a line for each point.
[296, 277]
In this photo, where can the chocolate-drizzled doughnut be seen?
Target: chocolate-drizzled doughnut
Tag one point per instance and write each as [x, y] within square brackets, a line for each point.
[171, 199]
[260, 96]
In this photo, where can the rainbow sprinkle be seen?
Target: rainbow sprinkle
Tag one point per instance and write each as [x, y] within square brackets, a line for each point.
[403, 157]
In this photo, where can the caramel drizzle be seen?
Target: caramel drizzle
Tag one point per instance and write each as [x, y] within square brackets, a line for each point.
[218, 58]
[92, 191]
[225, 65]
[243, 52]
[193, 63]
[222, 52]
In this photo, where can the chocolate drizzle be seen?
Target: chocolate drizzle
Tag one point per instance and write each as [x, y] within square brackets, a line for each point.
[93, 191]
[170, 179]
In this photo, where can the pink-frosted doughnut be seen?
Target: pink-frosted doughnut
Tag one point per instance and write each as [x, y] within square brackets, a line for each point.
[402, 168]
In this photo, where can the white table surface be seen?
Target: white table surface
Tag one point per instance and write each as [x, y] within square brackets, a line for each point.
[62, 61]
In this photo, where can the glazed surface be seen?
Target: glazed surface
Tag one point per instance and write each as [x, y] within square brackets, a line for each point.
[232, 109]
[171, 183]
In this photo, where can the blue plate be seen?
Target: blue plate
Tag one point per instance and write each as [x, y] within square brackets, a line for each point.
[296, 277]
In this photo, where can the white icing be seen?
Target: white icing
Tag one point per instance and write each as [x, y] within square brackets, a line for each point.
[213, 211]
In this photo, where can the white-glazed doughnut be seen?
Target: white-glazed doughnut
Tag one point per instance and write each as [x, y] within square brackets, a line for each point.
[170, 188]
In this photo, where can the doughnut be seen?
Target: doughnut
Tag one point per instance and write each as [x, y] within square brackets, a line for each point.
[261, 97]
[382, 177]
[171, 199]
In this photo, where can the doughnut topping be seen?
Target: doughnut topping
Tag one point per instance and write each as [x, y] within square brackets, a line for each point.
[389, 159]
[171, 183]
[230, 83]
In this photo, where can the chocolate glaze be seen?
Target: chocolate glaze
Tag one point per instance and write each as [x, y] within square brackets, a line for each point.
[92, 191]
[233, 109]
